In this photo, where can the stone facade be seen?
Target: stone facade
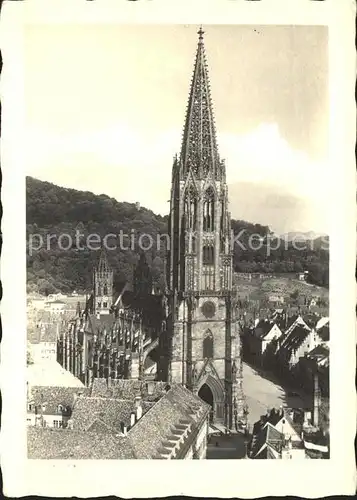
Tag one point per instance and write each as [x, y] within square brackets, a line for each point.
[191, 330]
[205, 344]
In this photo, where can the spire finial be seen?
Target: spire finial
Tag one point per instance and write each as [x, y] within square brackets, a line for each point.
[200, 33]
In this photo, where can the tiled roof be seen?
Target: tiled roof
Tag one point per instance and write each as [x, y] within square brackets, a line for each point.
[158, 431]
[95, 428]
[291, 320]
[295, 337]
[324, 332]
[112, 412]
[51, 397]
[311, 320]
[318, 353]
[267, 437]
[52, 444]
[103, 322]
[263, 328]
[52, 374]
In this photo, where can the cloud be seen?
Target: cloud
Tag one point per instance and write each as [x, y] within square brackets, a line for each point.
[135, 165]
[264, 156]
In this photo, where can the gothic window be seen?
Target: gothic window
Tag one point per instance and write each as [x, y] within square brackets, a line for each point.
[191, 209]
[208, 278]
[99, 304]
[208, 255]
[105, 290]
[222, 216]
[208, 345]
[105, 304]
[193, 243]
[208, 211]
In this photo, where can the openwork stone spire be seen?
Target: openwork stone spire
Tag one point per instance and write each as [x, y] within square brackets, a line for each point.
[103, 265]
[199, 146]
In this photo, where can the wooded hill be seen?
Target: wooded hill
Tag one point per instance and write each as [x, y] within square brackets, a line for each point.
[54, 210]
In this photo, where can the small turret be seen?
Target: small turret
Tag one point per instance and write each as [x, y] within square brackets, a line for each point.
[103, 285]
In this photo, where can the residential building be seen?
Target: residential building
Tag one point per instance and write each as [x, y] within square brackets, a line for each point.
[259, 337]
[55, 306]
[287, 434]
[51, 406]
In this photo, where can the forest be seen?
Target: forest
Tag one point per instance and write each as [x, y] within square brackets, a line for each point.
[57, 214]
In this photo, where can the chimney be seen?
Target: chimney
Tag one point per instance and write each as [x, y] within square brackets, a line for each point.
[317, 400]
[132, 418]
[138, 407]
[124, 428]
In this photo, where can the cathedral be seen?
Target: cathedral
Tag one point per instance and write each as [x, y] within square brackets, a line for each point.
[188, 333]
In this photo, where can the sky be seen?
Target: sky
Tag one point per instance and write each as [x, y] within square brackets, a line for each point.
[105, 109]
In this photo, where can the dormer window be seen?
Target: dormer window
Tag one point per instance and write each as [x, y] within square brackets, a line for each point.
[60, 408]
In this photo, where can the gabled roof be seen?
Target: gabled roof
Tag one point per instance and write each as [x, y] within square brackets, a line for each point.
[311, 320]
[319, 353]
[323, 329]
[268, 436]
[52, 374]
[263, 327]
[102, 322]
[159, 430]
[112, 412]
[295, 335]
[51, 397]
[96, 424]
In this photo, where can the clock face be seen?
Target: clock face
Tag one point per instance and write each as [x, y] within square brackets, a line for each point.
[208, 309]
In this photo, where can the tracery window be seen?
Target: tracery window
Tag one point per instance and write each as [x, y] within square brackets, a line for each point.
[208, 255]
[191, 209]
[208, 210]
[222, 216]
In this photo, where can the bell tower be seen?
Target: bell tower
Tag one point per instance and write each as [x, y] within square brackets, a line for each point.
[102, 285]
[205, 343]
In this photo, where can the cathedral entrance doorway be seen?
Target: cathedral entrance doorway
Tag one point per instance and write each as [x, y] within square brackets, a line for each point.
[206, 394]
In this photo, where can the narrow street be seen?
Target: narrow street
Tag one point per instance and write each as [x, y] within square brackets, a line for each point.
[263, 391]
[226, 447]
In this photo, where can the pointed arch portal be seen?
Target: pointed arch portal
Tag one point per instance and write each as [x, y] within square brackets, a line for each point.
[212, 393]
[206, 394]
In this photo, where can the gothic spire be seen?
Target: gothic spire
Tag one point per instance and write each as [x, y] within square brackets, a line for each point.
[103, 265]
[199, 146]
